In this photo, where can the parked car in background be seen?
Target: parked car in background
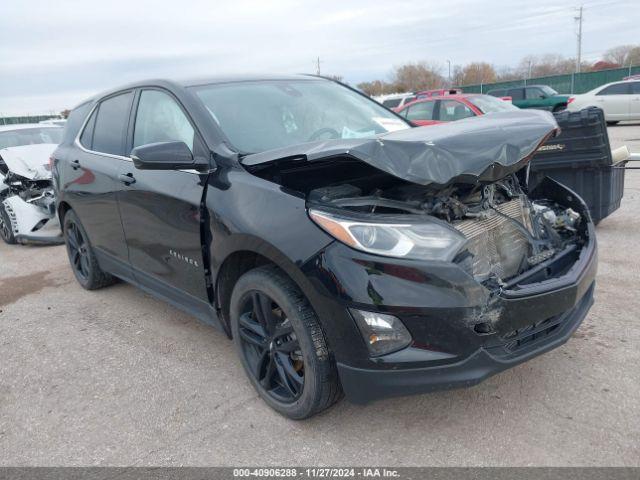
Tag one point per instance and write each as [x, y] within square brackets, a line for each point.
[325, 235]
[541, 97]
[27, 203]
[395, 100]
[619, 100]
[438, 92]
[429, 111]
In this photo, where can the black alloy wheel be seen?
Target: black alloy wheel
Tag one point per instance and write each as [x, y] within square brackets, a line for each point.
[270, 347]
[281, 344]
[81, 255]
[78, 251]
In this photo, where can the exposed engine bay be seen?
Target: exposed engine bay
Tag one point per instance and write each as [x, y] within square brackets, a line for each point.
[27, 201]
[454, 192]
[506, 232]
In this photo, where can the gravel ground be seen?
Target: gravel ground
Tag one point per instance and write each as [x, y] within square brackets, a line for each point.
[115, 377]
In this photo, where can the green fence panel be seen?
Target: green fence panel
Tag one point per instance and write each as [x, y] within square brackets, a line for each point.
[25, 119]
[568, 83]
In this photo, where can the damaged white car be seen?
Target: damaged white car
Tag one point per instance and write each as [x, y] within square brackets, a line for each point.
[27, 202]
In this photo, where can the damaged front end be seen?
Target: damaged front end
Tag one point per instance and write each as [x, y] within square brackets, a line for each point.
[27, 201]
[448, 238]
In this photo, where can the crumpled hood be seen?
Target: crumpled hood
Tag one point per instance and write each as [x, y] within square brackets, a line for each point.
[485, 148]
[29, 161]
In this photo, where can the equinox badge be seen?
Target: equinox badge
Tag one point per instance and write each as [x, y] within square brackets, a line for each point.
[184, 258]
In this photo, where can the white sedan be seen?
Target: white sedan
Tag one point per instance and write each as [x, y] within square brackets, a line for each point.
[619, 100]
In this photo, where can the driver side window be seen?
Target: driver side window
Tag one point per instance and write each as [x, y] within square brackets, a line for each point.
[160, 119]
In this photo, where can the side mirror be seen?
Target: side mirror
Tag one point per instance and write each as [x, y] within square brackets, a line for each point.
[165, 156]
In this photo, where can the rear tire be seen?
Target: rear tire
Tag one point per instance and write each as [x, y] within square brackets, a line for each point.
[612, 122]
[559, 108]
[6, 229]
[281, 344]
[81, 255]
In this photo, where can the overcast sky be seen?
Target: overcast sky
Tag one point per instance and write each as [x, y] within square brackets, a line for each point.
[55, 53]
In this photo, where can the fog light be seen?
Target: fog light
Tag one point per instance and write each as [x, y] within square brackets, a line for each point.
[382, 333]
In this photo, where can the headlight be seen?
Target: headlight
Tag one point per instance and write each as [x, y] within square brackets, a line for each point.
[427, 240]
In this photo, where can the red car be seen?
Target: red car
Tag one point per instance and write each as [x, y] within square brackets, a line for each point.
[428, 111]
[438, 93]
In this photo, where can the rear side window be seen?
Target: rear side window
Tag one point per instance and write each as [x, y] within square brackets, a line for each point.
[421, 111]
[515, 93]
[617, 89]
[86, 139]
[111, 123]
[160, 119]
[451, 110]
[534, 93]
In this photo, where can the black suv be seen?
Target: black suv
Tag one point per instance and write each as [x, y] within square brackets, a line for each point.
[342, 249]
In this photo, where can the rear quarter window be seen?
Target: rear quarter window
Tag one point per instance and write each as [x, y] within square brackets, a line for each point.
[111, 123]
[74, 122]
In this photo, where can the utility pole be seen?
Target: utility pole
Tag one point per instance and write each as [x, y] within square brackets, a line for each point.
[318, 66]
[579, 59]
[449, 63]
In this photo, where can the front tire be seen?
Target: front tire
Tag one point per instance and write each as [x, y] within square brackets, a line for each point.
[6, 229]
[82, 256]
[612, 122]
[281, 344]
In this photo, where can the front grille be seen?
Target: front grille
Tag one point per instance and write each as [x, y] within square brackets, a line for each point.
[496, 243]
[522, 337]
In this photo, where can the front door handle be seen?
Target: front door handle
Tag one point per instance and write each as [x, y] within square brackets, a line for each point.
[127, 178]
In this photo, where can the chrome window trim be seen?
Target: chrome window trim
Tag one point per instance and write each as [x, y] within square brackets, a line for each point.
[77, 143]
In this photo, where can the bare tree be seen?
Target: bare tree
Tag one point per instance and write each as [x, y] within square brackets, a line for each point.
[633, 57]
[478, 72]
[417, 76]
[618, 54]
[376, 87]
[533, 66]
[337, 78]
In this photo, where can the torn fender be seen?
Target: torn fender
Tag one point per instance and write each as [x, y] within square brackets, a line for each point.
[479, 149]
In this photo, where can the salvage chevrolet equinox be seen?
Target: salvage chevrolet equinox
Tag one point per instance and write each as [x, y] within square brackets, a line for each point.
[340, 247]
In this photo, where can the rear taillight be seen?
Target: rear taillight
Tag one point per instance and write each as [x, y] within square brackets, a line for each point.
[571, 99]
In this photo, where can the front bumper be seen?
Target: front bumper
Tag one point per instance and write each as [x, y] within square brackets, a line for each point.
[442, 306]
[32, 223]
[366, 385]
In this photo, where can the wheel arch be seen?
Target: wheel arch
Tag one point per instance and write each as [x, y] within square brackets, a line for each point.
[249, 253]
[63, 208]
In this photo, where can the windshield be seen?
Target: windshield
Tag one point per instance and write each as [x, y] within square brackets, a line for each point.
[488, 104]
[264, 115]
[30, 136]
[548, 90]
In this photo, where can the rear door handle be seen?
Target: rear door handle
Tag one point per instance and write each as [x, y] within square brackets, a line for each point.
[75, 164]
[127, 178]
